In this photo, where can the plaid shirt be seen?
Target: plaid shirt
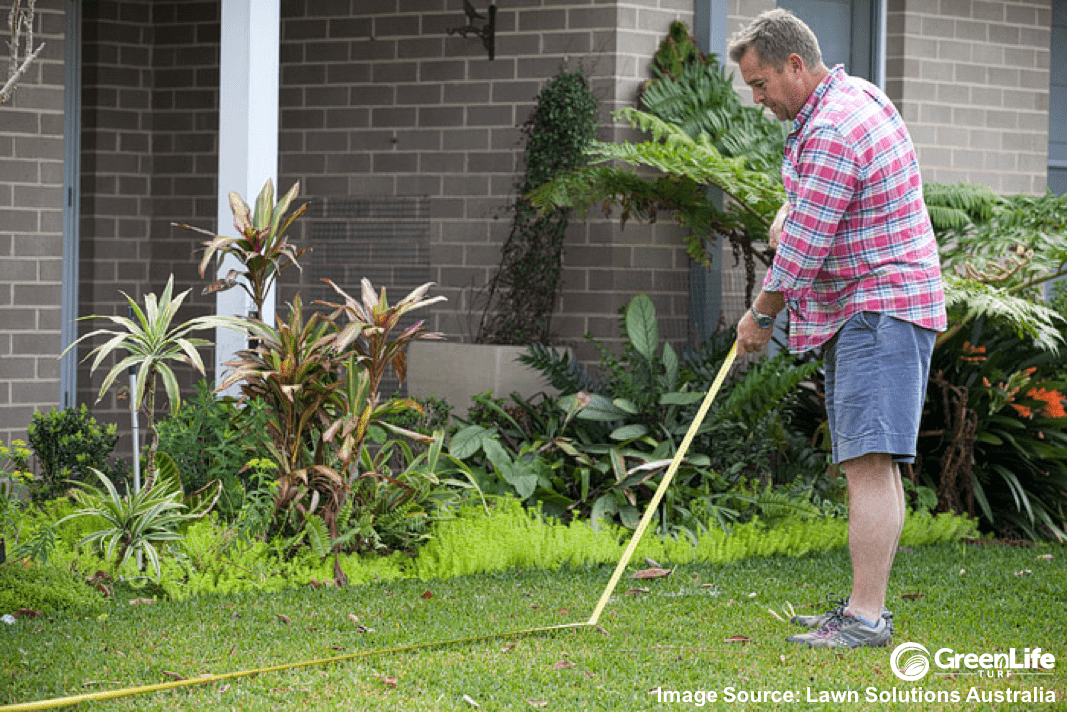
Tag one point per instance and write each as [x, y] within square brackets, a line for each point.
[858, 237]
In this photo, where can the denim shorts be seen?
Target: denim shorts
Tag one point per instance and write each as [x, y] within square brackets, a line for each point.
[876, 381]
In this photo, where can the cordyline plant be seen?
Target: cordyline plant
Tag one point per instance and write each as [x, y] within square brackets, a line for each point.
[320, 383]
[261, 247]
[150, 343]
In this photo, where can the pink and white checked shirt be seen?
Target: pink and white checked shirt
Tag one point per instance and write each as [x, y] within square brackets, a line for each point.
[858, 237]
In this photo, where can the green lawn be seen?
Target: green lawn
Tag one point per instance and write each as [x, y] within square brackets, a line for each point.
[673, 637]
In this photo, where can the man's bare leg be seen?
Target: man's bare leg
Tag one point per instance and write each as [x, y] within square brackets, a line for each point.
[876, 516]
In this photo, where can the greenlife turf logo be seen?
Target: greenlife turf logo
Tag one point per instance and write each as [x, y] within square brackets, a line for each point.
[910, 661]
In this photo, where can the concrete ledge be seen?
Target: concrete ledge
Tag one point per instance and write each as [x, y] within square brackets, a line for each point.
[455, 372]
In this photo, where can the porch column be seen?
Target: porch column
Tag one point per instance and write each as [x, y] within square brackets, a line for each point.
[705, 283]
[248, 136]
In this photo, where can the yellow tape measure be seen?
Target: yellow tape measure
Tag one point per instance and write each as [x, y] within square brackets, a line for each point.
[592, 620]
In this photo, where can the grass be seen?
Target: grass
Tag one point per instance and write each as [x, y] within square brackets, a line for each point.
[673, 637]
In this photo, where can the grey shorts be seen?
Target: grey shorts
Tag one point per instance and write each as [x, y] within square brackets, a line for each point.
[876, 381]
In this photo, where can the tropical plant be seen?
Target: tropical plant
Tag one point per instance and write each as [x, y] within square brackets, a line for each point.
[142, 520]
[1000, 250]
[261, 247]
[993, 441]
[599, 455]
[521, 295]
[150, 342]
[701, 134]
[67, 444]
[319, 383]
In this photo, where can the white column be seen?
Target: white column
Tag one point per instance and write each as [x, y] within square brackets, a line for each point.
[248, 137]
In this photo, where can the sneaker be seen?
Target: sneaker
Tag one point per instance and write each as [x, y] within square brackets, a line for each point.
[815, 622]
[845, 631]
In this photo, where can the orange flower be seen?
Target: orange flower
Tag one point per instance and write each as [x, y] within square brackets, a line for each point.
[1055, 401]
[973, 354]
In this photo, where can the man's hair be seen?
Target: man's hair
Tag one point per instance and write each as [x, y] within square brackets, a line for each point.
[775, 35]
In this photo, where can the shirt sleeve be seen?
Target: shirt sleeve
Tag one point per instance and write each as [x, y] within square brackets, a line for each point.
[826, 177]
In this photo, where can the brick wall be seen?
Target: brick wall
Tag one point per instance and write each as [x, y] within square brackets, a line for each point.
[149, 121]
[31, 229]
[972, 81]
[377, 100]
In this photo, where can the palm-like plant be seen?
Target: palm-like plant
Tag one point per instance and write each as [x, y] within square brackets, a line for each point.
[150, 342]
[139, 521]
[261, 247]
[320, 384]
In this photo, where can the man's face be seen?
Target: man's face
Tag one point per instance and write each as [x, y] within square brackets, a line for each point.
[773, 87]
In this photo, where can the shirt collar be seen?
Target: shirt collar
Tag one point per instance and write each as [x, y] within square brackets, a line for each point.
[836, 75]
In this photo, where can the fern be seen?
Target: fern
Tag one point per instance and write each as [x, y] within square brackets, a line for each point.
[760, 391]
[564, 373]
[967, 299]
[954, 207]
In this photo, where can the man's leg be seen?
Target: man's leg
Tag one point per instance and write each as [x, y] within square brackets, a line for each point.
[876, 517]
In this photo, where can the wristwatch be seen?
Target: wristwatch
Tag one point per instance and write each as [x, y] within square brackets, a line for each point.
[765, 321]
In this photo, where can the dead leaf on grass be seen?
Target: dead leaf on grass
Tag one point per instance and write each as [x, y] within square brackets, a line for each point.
[174, 676]
[508, 647]
[652, 562]
[390, 681]
[563, 611]
[535, 703]
[637, 591]
[470, 701]
[1025, 572]
[564, 663]
[652, 573]
[225, 687]
[737, 639]
[1044, 557]
[28, 613]
[136, 601]
[426, 595]
[912, 596]
[282, 617]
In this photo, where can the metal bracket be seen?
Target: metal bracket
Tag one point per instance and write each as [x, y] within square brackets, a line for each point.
[486, 33]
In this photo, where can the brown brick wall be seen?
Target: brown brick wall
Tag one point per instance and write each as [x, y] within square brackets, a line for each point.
[378, 100]
[31, 228]
[149, 121]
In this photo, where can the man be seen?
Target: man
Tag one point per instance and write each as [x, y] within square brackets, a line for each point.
[857, 264]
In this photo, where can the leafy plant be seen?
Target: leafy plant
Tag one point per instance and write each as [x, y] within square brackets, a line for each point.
[150, 342]
[994, 441]
[67, 444]
[212, 440]
[261, 247]
[140, 521]
[1000, 250]
[521, 296]
[320, 385]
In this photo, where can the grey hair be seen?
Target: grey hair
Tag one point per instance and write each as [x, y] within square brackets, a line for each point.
[775, 35]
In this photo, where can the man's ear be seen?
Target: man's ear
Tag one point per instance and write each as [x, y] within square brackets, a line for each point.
[795, 63]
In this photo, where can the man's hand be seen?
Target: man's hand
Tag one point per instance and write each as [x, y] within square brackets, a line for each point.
[775, 233]
[750, 338]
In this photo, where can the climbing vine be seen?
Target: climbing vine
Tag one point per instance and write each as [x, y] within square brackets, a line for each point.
[521, 296]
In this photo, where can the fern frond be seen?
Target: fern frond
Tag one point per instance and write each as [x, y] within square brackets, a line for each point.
[763, 389]
[564, 373]
[966, 299]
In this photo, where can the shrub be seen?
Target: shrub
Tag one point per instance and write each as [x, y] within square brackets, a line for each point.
[45, 588]
[68, 445]
[213, 439]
